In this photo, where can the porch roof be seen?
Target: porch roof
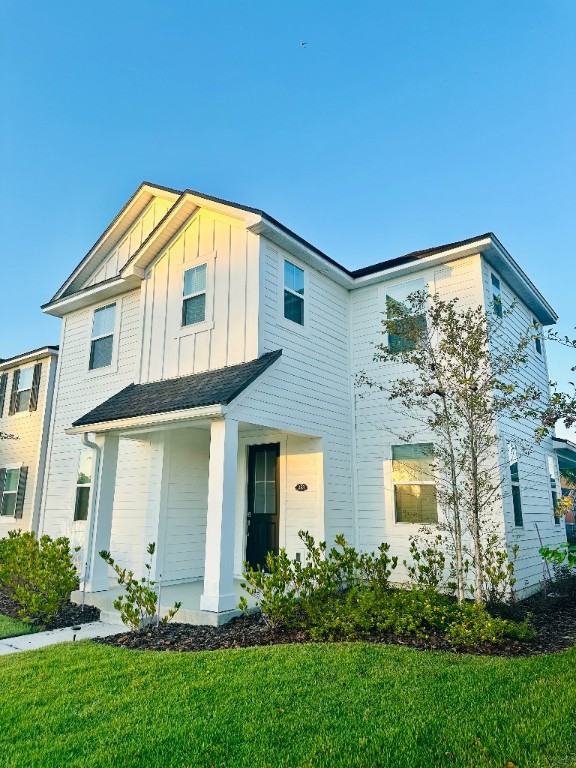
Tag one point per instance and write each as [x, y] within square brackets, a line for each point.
[218, 387]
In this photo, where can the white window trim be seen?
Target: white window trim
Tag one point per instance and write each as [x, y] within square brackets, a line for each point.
[113, 367]
[551, 457]
[389, 495]
[302, 330]
[208, 323]
[7, 467]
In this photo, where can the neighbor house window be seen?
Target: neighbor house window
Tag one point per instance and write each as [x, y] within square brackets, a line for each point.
[537, 336]
[293, 293]
[496, 296]
[102, 337]
[194, 295]
[23, 389]
[552, 473]
[515, 481]
[83, 483]
[397, 307]
[414, 486]
[12, 490]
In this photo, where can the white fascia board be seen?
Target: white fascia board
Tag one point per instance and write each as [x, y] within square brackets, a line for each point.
[116, 230]
[93, 295]
[418, 265]
[29, 357]
[153, 420]
[170, 227]
[307, 255]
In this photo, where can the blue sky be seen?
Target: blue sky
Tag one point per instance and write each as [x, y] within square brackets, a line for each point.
[399, 126]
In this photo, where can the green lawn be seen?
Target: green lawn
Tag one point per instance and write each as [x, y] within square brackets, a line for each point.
[337, 706]
[12, 627]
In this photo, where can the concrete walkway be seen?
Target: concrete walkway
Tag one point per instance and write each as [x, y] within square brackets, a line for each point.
[42, 639]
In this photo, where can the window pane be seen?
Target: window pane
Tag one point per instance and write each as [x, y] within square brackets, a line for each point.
[8, 504]
[496, 296]
[101, 352]
[195, 280]
[82, 499]
[25, 378]
[194, 309]
[11, 480]
[104, 320]
[411, 463]
[23, 402]
[517, 502]
[293, 308]
[293, 278]
[85, 467]
[416, 504]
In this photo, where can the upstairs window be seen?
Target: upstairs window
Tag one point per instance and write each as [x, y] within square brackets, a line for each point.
[397, 306]
[414, 486]
[554, 485]
[537, 336]
[293, 293]
[194, 295]
[25, 388]
[102, 344]
[12, 491]
[83, 484]
[496, 296]
[515, 482]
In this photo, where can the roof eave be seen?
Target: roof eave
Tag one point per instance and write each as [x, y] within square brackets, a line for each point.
[108, 289]
[151, 421]
[28, 357]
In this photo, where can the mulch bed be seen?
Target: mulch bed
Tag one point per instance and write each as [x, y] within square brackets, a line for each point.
[69, 615]
[554, 617]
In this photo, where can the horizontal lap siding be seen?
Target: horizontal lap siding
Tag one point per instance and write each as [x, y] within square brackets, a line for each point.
[533, 467]
[186, 504]
[30, 428]
[77, 393]
[309, 388]
[380, 423]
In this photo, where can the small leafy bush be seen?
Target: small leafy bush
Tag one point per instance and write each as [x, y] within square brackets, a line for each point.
[290, 592]
[38, 574]
[565, 554]
[139, 606]
[474, 627]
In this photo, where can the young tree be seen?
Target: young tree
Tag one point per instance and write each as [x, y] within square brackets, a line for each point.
[561, 406]
[457, 374]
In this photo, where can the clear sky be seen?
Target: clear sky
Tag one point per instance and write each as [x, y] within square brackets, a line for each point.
[398, 126]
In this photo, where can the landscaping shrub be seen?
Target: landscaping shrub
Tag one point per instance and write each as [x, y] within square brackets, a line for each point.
[340, 594]
[287, 590]
[139, 606]
[38, 574]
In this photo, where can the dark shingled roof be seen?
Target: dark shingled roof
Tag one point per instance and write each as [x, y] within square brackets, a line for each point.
[199, 389]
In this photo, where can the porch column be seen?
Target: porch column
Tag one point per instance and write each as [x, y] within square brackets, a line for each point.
[218, 592]
[100, 527]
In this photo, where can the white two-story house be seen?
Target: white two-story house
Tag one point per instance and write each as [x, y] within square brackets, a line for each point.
[26, 394]
[206, 402]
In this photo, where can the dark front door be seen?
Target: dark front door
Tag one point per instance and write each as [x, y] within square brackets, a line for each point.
[263, 511]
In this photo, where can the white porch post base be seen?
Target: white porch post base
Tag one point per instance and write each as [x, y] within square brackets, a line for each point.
[102, 511]
[218, 592]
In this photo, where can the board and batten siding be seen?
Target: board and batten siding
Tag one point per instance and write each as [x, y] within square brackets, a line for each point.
[113, 262]
[229, 334]
[31, 429]
[380, 423]
[308, 390]
[535, 490]
[79, 391]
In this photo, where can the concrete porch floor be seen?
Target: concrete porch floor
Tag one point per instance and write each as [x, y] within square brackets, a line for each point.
[188, 593]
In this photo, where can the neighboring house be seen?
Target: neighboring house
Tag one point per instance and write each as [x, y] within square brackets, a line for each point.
[206, 398]
[566, 453]
[26, 391]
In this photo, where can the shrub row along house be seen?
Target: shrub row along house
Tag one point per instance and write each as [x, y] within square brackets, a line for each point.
[205, 400]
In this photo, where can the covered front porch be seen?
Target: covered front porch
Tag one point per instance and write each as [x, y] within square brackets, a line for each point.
[211, 492]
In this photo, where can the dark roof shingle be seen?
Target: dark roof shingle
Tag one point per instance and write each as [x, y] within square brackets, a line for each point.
[220, 386]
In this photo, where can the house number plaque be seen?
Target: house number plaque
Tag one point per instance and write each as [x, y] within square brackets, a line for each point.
[301, 487]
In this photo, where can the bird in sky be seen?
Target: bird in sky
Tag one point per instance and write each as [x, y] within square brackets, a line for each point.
[303, 43]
